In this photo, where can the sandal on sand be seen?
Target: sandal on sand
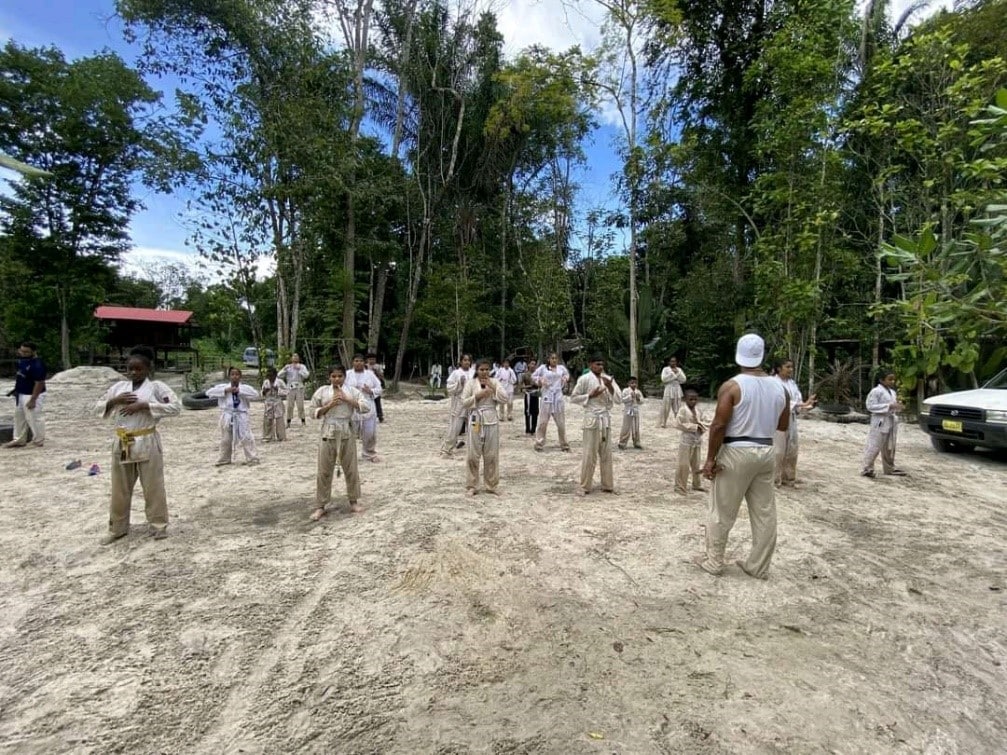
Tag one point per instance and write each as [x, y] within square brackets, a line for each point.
[898, 473]
[317, 514]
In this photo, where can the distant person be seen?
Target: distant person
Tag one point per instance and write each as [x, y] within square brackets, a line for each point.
[274, 390]
[481, 398]
[456, 411]
[367, 383]
[597, 393]
[436, 371]
[691, 421]
[787, 443]
[740, 460]
[138, 404]
[507, 379]
[632, 400]
[551, 378]
[379, 373]
[530, 391]
[234, 398]
[29, 397]
[672, 378]
[294, 374]
[335, 405]
[883, 405]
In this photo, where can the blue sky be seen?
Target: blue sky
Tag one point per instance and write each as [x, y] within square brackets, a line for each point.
[83, 27]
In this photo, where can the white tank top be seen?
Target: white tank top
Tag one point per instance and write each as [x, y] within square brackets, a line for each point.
[763, 399]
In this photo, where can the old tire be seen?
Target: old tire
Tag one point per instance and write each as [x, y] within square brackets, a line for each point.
[198, 401]
[837, 409]
[6, 432]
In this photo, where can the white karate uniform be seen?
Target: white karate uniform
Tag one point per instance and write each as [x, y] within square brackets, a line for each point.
[366, 422]
[235, 428]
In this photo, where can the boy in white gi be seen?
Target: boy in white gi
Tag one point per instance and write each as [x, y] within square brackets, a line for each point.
[596, 392]
[693, 424]
[507, 379]
[138, 404]
[273, 392]
[673, 378]
[367, 383]
[551, 377]
[294, 374]
[632, 400]
[456, 421]
[883, 404]
[233, 398]
[336, 404]
[481, 399]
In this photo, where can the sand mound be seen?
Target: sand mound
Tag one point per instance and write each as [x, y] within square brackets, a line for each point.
[85, 377]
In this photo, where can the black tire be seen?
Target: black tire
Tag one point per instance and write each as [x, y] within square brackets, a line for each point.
[197, 401]
[6, 432]
[945, 446]
[837, 409]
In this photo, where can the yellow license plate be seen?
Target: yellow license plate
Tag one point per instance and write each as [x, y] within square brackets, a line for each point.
[951, 425]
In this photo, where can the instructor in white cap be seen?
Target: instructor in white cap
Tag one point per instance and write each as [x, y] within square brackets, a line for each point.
[751, 407]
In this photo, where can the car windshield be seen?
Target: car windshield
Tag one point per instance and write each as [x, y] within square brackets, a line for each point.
[1000, 381]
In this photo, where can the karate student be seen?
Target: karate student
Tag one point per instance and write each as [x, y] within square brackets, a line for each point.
[507, 379]
[138, 404]
[596, 392]
[632, 399]
[336, 404]
[531, 397]
[551, 377]
[673, 378]
[294, 374]
[481, 398]
[456, 419]
[379, 373]
[273, 392]
[786, 444]
[29, 397]
[367, 383]
[883, 405]
[693, 424]
[235, 429]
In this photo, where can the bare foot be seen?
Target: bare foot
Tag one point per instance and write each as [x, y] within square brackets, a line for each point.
[470, 492]
[700, 561]
[492, 492]
[611, 491]
[317, 513]
[581, 492]
[355, 508]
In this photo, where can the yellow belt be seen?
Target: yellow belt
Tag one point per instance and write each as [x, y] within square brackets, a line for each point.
[128, 437]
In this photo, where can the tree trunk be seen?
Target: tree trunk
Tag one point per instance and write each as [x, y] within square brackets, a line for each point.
[64, 333]
[414, 290]
[348, 340]
[374, 328]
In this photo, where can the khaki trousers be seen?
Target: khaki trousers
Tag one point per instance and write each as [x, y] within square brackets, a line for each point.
[272, 422]
[630, 426]
[883, 443]
[786, 447]
[369, 435]
[669, 406]
[486, 448]
[150, 473]
[545, 411]
[295, 396]
[746, 473]
[688, 463]
[597, 449]
[26, 419]
[455, 424]
[344, 451]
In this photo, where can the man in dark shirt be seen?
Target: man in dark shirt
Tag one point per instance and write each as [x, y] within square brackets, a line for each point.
[28, 393]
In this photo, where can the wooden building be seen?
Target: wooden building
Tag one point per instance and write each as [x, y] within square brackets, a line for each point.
[167, 331]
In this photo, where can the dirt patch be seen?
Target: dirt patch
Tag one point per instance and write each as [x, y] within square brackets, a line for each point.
[536, 622]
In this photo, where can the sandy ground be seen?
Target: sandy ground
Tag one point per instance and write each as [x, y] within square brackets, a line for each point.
[535, 622]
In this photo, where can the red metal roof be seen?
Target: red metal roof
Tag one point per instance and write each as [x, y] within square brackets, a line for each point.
[172, 316]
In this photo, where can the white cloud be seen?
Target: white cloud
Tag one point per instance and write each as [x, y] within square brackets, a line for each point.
[143, 261]
[555, 24]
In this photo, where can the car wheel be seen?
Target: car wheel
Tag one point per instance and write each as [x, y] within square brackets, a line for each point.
[950, 446]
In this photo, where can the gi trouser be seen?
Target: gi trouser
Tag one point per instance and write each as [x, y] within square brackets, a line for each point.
[456, 423]
[880, 441]
[341, 449]
[669, 405]
[150, 473]
[368, 434]
[272, 421]
[530, 413]
[295, 395]
[26, 419]
[746, 473]
[630, 426]
[483, 444]
[786, 447]
[597, 450]
[688, 463]
[228, 428]
[549, 409]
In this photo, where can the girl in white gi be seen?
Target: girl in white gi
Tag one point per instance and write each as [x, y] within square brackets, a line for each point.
[273, 392]
[456, 421]
[693, 424]
[551, 377]
[366, 422]
[596, 392]
[335, 404]
[235, 429]
[673, 378]
[294, 374]
[883, 406]
[787, 443]
[507, 379]
[632, 399]
[138, 404]
[481, 398]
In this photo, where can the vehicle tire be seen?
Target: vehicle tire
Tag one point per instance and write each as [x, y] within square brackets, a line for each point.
[950, 446]
[198, 401]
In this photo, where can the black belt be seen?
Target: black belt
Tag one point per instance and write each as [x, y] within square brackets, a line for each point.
[748, 439]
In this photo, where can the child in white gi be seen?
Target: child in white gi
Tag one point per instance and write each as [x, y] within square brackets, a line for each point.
[632, 399]
[273, 392]
[693, 424]
[235, 429]
[551, 378]
[456, 421]
[883, 404]
[367, 383]
[294, 374]
[481, 398]
[596, 392]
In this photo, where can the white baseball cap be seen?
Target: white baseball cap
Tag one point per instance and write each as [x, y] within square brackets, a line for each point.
[751, 350]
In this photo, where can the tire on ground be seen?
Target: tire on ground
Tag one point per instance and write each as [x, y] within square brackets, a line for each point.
[198, 401]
